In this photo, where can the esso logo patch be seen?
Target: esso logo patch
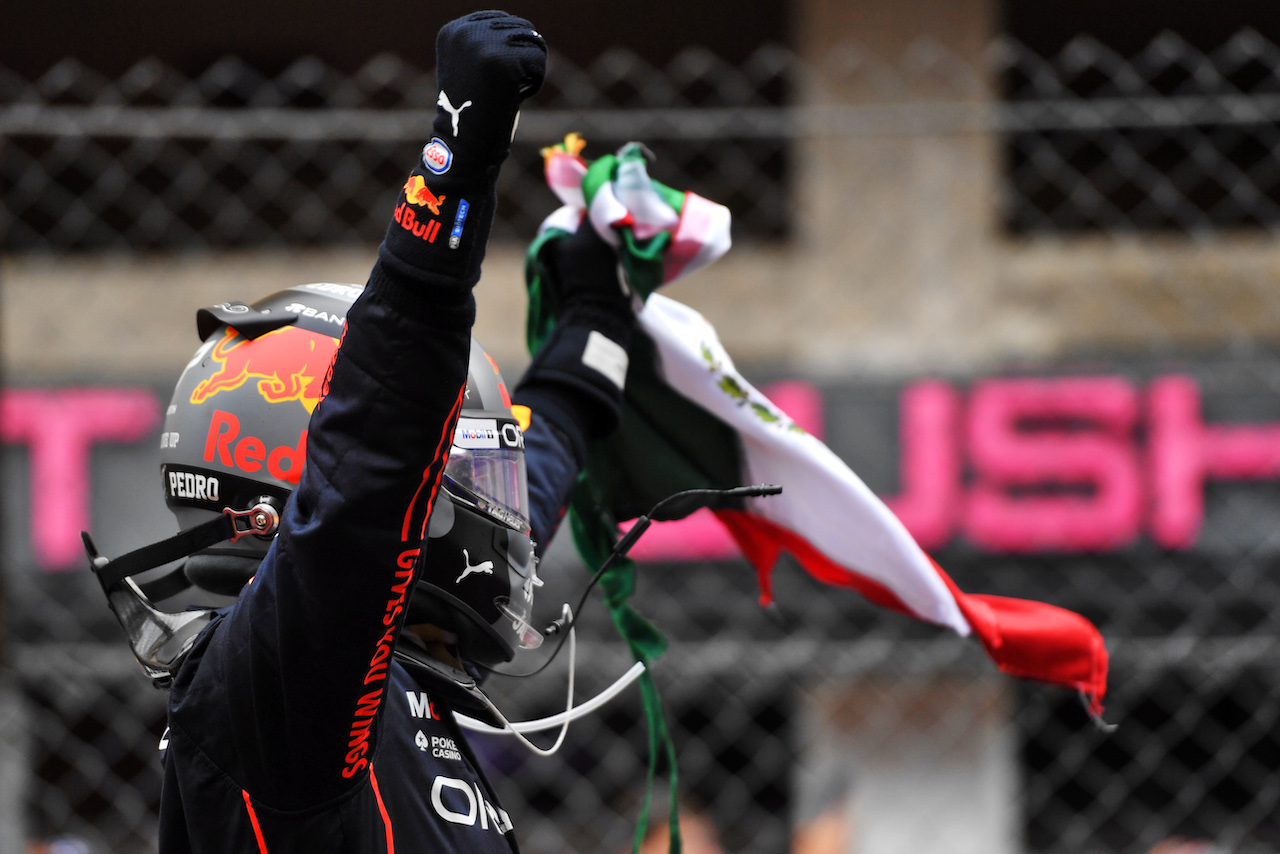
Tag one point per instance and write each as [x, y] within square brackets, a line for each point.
[437, 157]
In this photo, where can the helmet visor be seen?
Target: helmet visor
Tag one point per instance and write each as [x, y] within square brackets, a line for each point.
[486, 467]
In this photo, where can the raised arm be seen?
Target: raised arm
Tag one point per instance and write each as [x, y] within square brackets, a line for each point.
[299, 665]
[574, 386]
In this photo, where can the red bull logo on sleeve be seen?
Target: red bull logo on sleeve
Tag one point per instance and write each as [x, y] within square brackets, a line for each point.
[416, 192]
[409, 221]
[288, 364]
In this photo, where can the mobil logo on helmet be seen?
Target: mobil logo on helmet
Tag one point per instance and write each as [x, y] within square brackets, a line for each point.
[288, 364]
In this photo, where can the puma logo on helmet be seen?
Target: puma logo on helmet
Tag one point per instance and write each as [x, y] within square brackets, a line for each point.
[486, 567]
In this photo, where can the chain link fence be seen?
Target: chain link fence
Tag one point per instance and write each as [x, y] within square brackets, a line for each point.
[1171, 140]
[231, 158]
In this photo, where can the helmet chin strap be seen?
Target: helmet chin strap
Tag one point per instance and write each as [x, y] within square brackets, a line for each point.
[160, 640]
[570, 713]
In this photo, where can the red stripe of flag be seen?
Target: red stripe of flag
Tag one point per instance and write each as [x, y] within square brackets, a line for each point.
[1027, 639]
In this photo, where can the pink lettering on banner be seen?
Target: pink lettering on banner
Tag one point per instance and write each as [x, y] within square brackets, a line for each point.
[700, 536]
[929, 430]
[1055, 463]
[59, 427]
[1022, 465]
[1184, 452]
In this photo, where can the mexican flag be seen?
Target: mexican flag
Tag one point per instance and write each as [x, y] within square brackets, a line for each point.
[691, 420]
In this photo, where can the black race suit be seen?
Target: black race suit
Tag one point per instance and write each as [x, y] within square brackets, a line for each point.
[290, 727]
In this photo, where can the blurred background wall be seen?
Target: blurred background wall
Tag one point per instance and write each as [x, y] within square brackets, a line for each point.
[950, 216]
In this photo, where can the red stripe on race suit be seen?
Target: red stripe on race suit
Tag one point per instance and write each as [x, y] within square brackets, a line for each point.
[445, 443]
[359, 743]
[382, 808]
[253, 819]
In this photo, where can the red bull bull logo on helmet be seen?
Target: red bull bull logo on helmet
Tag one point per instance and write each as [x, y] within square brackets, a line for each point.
[288, 364]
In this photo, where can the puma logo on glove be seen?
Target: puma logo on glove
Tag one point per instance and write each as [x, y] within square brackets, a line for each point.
[443, 101]
[487, 64]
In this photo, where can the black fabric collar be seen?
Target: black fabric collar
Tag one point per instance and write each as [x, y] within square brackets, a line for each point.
[456, 687]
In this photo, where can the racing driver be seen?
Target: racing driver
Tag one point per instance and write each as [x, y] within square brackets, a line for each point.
[291, 727]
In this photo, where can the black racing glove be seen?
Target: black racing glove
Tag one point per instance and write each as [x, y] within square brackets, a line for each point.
[586, 286]
[487, 63]
[581, 369]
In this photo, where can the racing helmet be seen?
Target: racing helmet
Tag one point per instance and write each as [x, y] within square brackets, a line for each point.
[235, 435]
